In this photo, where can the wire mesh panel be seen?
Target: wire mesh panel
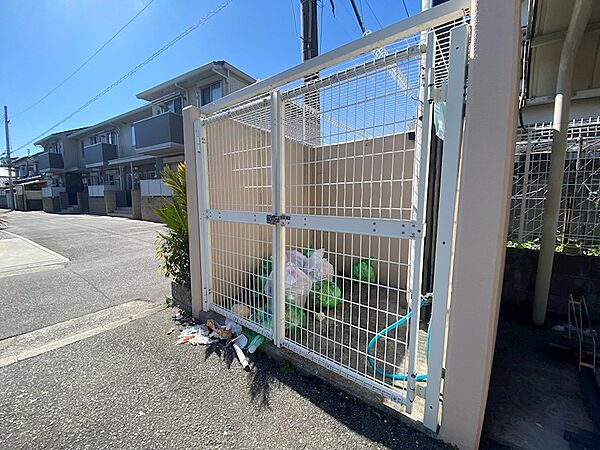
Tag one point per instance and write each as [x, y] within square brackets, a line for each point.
[579, 219]
[314, 197]
[238, 167]
[349, 159]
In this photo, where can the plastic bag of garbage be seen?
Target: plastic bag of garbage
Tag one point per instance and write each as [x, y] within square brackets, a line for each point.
[296, 258]
[308, 251]
[297, 284]
[317, 267]
[294, 317]
[262, 275]
[364, 271]
[325, 293]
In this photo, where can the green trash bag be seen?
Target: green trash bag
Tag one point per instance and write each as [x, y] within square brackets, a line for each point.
[261, 276]
[308, 251]
[363, 271]
[294, 317]
[324, 293]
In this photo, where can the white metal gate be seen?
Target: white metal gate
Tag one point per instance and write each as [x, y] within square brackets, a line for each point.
[333, 155]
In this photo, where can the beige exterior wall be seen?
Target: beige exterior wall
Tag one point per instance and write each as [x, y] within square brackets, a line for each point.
[348, 179]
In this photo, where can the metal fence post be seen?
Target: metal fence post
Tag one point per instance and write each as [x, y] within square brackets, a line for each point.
[278, 196]
[203, 205]
[523, 210]
[419, 200]
[444, 243]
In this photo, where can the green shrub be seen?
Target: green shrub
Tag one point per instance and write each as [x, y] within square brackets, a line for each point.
[172, 247]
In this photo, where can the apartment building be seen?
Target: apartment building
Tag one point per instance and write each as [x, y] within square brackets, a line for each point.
[114, 167]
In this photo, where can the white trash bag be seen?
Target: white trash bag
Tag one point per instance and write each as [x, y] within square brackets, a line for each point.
[317, 267]
[296, 258]
[297, 284]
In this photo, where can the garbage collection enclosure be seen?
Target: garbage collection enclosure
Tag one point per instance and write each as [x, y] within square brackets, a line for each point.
[312, 204]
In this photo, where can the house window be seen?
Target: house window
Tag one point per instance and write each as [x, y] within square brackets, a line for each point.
[82, 151]
[56, 148]
[174, 106]
[132, 135]
[210, 93]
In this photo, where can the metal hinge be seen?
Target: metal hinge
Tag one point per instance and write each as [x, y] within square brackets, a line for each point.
[436, 94]
[274, 219]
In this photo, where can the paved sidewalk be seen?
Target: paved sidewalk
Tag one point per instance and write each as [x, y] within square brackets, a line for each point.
[133, 388]
[17, 253]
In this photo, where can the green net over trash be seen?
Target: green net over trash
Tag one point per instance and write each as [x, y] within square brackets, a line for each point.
[364, 271]
[324, 293]
[262, 275]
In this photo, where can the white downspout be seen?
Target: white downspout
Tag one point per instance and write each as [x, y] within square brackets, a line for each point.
[560, 124]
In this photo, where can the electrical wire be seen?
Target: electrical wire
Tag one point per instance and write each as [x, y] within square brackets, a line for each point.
[82, 65]
[296, 25]
[373, 12]
[321, 29]
[406, 8]
[157, 53]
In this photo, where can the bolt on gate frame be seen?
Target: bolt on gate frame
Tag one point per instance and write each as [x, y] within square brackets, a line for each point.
[333, 154]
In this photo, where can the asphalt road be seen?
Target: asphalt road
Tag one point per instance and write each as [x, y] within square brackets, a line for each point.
[131, 387]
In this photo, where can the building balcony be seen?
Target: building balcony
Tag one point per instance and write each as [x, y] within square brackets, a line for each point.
[97, 155]
[98, 190]
[159, 135]
[50, 162]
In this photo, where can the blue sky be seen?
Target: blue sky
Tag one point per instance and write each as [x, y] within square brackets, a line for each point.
[43, 41]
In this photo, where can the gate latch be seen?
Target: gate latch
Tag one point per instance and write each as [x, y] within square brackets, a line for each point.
[274, 219]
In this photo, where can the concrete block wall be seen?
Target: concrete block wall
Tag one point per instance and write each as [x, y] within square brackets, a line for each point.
[51, 204]
[146, 207]
[110, 200]
[136, 205]
[97, 205]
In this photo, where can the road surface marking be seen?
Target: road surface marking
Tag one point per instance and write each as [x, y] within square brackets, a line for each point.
[34, 343]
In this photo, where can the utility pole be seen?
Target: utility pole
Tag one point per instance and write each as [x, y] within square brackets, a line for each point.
[310, 43]
[310, 48]
[11, 197]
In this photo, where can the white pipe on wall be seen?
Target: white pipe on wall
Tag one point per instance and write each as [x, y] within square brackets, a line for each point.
[560, 124]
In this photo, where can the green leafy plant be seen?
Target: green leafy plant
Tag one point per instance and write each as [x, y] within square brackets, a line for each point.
[173, 246]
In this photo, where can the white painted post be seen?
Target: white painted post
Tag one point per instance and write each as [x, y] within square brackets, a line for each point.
[453, 130]
[419, 202]
[203, 205]
[190, 115]
[278, 208]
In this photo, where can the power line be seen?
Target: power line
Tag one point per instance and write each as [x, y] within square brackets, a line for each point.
[406, 8]
[373, 12]
[296, 25]
[82, 65]
[132, 71]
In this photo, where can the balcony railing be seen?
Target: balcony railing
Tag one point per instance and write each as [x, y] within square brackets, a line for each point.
[159, 134]
[98, 190]
[99, 153]
[154, 188]
[49, 162]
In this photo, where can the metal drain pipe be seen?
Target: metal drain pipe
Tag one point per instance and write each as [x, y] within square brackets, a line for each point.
[560, 124]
